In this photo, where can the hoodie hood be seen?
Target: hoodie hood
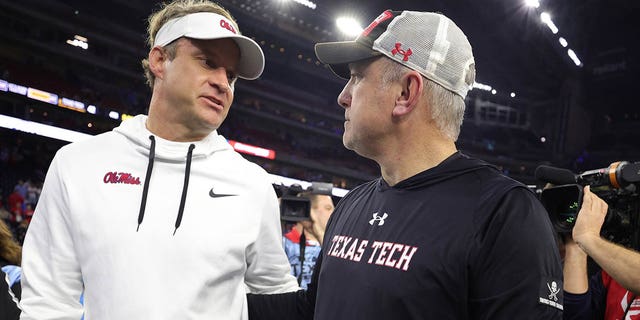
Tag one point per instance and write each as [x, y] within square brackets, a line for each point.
[455, 165]
[154, 147]
[135, 130]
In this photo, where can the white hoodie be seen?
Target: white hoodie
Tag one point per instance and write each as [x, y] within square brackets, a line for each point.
[84, 235]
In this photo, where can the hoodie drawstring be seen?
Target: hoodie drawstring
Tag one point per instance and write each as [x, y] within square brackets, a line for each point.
[185, 185]
[145, 190]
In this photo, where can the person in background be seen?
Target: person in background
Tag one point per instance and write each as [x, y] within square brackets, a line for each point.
[10, 274]
[611, 293]
[439, 235]
[308, 232]
[9, 305]
[160, 218]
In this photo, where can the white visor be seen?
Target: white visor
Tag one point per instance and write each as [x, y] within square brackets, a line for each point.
[208, 26]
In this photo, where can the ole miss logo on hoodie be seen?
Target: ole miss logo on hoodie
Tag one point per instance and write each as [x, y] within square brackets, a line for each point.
[120, 177]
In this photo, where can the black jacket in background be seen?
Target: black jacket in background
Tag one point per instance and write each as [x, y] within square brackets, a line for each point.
[8, 308]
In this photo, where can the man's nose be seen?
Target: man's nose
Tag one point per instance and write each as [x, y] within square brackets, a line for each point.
[218, 79]
[344, 98]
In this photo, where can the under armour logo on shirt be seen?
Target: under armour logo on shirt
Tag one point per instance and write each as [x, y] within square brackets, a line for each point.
[378, 218]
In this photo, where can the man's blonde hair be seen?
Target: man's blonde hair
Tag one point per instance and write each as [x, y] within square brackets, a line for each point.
[172, 10]
[10, 250]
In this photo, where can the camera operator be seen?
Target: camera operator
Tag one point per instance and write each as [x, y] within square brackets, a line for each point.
[611, 293]
[311, 233]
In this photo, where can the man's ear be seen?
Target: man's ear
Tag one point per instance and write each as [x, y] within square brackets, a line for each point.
[411, 91]
[157, 58]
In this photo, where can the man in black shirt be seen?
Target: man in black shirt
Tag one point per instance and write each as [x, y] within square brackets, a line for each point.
[440, 235]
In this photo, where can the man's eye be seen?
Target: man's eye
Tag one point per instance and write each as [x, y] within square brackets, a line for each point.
[210, 63]
[231, 76]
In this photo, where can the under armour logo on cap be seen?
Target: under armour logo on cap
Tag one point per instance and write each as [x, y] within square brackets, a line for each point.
[399, 50]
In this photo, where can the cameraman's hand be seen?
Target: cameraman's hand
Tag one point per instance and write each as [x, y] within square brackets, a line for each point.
[590, 217]
[621, 263]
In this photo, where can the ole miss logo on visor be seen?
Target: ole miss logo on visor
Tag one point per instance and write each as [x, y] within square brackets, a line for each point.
[227, 25]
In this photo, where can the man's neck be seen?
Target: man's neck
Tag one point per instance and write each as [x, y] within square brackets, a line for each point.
[407, 160]
[165, 123]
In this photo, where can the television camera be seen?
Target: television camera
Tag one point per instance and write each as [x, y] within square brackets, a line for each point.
[618, 185]
[293, 207]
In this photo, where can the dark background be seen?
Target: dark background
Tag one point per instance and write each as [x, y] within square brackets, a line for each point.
[588, 115]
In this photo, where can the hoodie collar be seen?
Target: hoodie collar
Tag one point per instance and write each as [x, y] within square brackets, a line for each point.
[456, 164]
[135, 130]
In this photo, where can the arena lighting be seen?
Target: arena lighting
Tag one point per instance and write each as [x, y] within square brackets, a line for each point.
[91, 109]
[563, 42]
[481, 86]
[306, 3]
[71, 104]
[16, 88]
[79, 41]
[574, 57]
[114, 115]
[41, 129]
[43, 96]
[513, 94]
[252, 150]
[493, 91]
[546, 18]
[532, 3]
[73, 136]
[349, 26]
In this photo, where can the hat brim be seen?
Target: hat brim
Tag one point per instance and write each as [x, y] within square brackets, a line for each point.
[199, 26]
[338, 55]
[251, 63]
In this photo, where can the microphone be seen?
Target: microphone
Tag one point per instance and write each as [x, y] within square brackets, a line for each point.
[555, 175]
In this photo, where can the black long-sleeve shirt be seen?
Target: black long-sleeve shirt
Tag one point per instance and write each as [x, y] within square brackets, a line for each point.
[457, 241]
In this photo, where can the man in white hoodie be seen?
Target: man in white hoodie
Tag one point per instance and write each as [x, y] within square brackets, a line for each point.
[160, 218]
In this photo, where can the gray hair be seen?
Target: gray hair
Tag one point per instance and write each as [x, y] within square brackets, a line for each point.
[447, 108]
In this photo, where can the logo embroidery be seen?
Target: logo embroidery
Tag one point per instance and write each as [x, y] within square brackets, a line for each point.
[382, 17]
[212, 194]
[378, 218]
[401, 51]
[550, 293]
[227, 25]
[120, 177]
[553, 289]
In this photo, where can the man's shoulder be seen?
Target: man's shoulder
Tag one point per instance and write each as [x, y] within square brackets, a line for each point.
[90, 144]
[491, 179]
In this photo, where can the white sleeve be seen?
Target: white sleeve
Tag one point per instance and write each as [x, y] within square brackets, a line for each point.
[268, 270]
[51, 278]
